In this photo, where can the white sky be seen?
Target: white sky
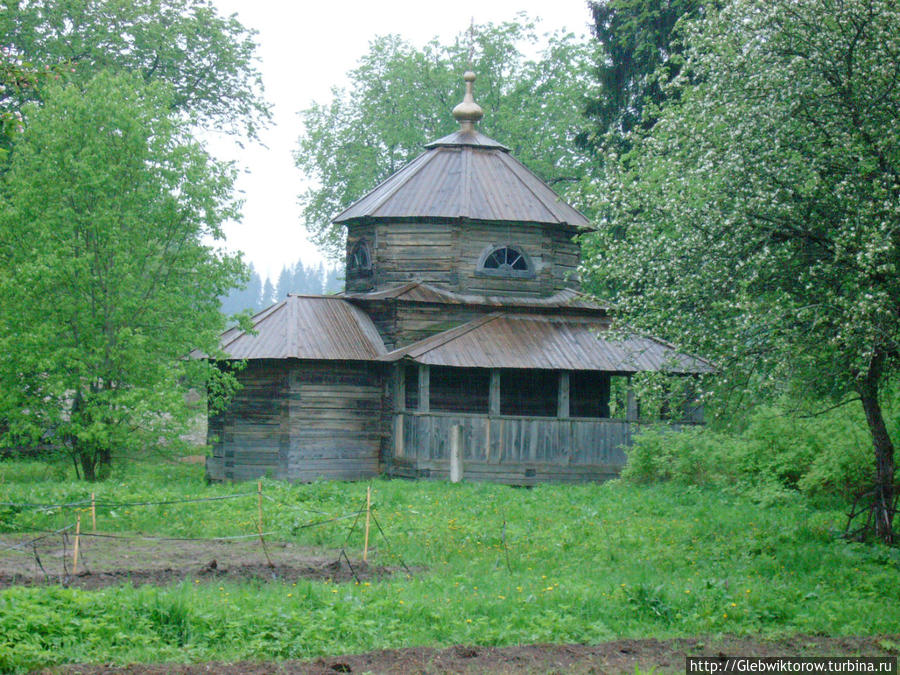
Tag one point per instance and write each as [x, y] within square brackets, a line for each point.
[306, 48]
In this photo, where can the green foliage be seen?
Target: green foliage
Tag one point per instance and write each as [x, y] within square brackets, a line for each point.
[758, 222]
[772, 457]
[641, 54]
[110, 276]
[207, 60]
[401, 98]
[589, 563]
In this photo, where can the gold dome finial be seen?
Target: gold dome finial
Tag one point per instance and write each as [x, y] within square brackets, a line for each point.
[468, 112]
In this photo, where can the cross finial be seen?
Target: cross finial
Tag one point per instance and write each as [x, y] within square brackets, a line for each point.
[471, 32]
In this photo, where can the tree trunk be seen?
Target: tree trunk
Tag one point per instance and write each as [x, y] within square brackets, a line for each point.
[883, 503]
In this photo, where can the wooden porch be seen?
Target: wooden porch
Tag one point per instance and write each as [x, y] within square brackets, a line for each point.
[509, 449]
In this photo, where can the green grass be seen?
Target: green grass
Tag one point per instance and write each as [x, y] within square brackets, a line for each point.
[588, 563]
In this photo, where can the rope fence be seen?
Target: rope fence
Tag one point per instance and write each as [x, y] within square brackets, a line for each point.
[30, 547]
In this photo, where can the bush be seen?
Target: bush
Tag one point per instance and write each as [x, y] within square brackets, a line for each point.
[829, 456]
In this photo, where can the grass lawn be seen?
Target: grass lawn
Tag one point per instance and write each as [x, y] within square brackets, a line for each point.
[584, 563]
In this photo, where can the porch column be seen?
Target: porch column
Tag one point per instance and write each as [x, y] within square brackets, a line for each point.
[494, 393]
[562, 399]
[631, 407]
[424, 395]
[399, 388]
[399, 407]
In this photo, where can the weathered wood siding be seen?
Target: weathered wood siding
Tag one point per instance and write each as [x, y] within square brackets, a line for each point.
[299, 421]
[334, 420]
[447, 254]
[250, 439]
[515, 450]
[416, 252]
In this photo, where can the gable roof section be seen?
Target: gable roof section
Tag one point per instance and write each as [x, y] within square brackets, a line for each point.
[417, 291]
[307, 327]
[541, 341]
[464, 176]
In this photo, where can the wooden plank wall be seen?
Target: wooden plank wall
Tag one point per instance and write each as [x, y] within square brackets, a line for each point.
[250, 440]
[335, 420]
[416, 252]
[447, 255]
[516, 450]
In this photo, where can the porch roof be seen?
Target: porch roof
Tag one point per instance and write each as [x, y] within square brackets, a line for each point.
[501, 340]
[307, 327]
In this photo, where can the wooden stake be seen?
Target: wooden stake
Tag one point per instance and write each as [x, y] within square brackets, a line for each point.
[259, 522]
[77, 538]
[93, 513]
[259, 506]
[368, 512]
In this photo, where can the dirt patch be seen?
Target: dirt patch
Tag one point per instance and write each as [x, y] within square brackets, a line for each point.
[621, 656]
[108, 561]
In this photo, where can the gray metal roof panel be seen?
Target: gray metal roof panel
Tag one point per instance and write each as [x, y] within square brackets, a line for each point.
[417, 291]
[546, 342]
[464, 182]
[307, 327]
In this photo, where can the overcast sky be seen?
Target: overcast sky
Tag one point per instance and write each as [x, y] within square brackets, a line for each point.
[306, 48]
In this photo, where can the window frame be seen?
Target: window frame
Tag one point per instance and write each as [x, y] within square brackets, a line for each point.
[359, 270]
[505, 272]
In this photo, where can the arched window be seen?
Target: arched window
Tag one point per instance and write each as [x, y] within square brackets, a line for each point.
[505, 261]
[359, 262]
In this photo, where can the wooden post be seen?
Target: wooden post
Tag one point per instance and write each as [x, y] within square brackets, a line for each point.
[424, 386]
[494, 393]
[77, 540]
[368, 512]
[631, 407]
[93, 513]
[456, 464]
[399, 388]
[259, 520]
[562, 398]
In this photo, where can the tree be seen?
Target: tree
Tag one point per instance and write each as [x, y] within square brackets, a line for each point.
[400, 98]
[110, 273]
[207, 60]
[641, 52]
[759, 220]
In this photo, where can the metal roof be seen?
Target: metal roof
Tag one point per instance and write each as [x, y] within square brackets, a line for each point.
[307, 327]
[417, 291]
[500, 340]
[465, 175]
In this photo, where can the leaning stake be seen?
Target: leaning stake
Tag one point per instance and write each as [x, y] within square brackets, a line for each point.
[259, 522]
[368, 511]
[77, 538]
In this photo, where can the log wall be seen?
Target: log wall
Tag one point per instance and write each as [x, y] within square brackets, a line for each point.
[250, 439]
[447, 254]
[300, 421]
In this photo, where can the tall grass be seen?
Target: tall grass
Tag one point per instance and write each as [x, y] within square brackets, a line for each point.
[586, 563]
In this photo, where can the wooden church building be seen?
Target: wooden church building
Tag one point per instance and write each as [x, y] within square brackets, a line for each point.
[461, 330]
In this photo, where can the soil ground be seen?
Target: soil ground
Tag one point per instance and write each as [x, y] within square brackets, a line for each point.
[622, 656]
[106, 561]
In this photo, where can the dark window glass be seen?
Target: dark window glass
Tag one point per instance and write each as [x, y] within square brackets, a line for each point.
[506, 259]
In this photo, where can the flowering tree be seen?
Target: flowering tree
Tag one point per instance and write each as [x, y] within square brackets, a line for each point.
[758, 222]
